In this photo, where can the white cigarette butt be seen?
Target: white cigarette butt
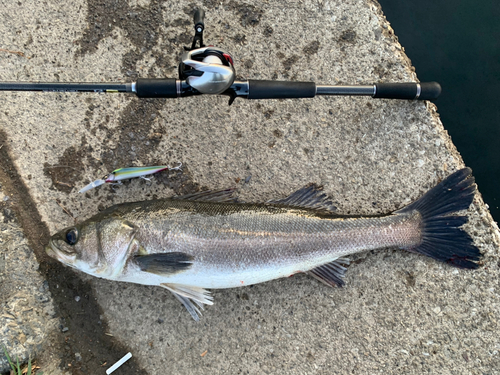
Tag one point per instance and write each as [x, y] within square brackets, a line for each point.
[125, 358]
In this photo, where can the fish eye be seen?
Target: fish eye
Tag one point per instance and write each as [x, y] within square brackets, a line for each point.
[71, 236]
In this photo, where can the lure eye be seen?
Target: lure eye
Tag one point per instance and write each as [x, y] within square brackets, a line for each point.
[71, 236]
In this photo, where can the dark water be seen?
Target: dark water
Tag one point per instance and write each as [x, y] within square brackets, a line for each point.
[457, 43]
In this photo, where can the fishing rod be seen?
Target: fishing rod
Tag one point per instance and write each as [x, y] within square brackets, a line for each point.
[210, 70]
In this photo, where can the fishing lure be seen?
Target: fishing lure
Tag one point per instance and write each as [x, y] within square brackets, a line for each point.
[126, 173]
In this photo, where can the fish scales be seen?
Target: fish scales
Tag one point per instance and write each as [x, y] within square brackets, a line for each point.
[242, 240]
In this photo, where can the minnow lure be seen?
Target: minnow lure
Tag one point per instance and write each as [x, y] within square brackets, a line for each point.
[130, 172]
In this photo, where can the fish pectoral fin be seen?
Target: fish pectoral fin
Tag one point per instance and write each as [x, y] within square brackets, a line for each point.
[187, 294]
[310, 196]
[164, 263]
[332, 273]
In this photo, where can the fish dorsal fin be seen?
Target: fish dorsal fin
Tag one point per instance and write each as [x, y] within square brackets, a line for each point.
[310, 196]
[210, 196]
[187, 294]
[164, 263]
[332, 273]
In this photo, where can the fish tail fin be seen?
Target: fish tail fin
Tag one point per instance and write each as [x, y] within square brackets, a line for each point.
[442, 236]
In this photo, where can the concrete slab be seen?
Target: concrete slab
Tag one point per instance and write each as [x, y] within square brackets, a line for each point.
[398, 313]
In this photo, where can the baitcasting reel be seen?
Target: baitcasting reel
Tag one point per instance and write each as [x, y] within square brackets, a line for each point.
[209, 70]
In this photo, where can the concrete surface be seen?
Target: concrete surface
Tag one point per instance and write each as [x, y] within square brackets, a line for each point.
[399, 312]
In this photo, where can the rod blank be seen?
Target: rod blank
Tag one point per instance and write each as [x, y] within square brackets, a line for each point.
[368, 90]
[65, 87]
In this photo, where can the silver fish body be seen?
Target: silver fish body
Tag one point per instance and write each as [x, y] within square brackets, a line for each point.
[235, 245]
[203, 241]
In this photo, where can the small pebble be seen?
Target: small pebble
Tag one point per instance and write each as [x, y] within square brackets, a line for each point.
[77, 298]
[65, 329]
[44, 287]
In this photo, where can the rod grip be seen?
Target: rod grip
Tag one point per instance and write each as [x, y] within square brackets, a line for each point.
[428, 90]
[280, 89]
[156, 88]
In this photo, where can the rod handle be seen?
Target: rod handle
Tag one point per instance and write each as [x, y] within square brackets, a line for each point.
[417, 91]
[280, 89]
[156, 88]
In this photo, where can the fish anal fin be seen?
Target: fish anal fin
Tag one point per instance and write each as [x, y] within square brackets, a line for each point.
[332, 273]
[187, 294]
[310, 196]
[164, 263]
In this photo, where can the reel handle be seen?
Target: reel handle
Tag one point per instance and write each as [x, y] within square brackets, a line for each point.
[199, 26]
[199, 20]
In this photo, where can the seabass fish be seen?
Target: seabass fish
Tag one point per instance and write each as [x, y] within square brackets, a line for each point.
[207, 241]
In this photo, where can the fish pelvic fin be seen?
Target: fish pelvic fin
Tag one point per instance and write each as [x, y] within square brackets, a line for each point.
[191, 297]
[442, 236]
[331, 274]
[190, 306]
[310, 196]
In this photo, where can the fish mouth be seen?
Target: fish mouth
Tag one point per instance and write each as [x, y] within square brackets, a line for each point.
[55, 252]
[50, 252]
